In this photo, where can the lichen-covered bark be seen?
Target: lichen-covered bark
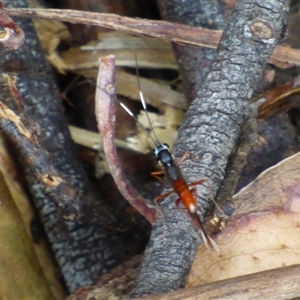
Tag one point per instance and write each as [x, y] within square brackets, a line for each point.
[82, 250]
[209, 132]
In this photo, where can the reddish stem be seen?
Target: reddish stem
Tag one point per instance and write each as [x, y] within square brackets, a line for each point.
[105, 114]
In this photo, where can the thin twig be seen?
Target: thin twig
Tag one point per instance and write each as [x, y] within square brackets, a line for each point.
[174, 32]
[105, 114]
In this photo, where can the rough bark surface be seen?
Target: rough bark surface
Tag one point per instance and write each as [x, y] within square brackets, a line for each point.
[209, 132]
[82, 251]
[193, 62]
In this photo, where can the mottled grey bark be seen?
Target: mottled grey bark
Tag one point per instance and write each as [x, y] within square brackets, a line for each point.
[209, 132]
[193, 62]
[82, 251]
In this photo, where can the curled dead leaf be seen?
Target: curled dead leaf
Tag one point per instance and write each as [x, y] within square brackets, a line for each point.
[264, 232]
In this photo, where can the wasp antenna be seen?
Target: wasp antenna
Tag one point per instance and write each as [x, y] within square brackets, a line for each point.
[156, 142]
[135, 118]
[143, 100]
[128, 110]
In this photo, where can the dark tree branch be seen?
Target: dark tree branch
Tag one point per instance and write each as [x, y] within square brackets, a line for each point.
[210, 131]
[71, 203]
[82, 250]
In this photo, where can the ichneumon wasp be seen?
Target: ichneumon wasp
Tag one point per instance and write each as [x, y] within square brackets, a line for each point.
[171, 170]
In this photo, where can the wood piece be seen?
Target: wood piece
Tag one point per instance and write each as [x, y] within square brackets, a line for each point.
[277, 284]
[177, 33]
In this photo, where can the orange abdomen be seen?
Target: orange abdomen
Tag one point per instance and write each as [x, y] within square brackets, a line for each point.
[186, 196]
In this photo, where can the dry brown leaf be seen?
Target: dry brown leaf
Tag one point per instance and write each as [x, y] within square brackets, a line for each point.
[151, 53]
[21, 276]
[156, 94]
[51, 33]
[263, 234]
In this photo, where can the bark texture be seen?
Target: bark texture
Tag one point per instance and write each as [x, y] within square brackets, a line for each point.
[82, 250]
[193, 62]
